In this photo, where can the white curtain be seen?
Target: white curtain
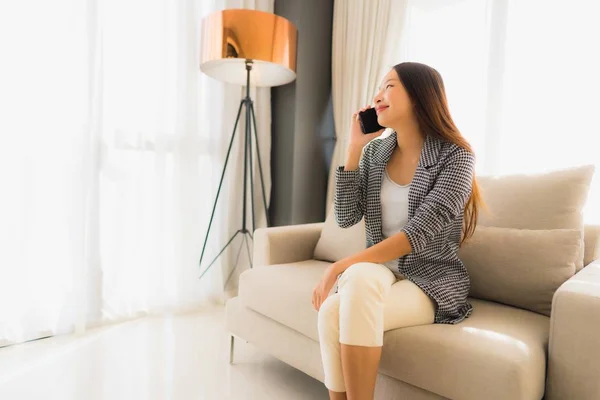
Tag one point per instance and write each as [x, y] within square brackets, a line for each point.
[113, 147]
[521, 77]
[365, 47]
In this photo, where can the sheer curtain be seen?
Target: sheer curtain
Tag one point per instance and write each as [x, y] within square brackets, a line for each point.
[521, 77]
[113, 146]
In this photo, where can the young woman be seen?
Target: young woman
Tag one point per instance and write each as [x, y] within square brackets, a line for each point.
[417, 192]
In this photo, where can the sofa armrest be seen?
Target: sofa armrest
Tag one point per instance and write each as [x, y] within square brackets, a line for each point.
[285, 244]
[574, 348]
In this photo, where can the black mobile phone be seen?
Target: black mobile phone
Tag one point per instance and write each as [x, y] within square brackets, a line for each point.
[368, 121]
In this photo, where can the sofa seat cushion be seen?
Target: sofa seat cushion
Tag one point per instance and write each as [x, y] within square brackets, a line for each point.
[499, 352]
[283, 293]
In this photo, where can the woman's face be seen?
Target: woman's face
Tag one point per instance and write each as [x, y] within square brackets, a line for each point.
[391, 101]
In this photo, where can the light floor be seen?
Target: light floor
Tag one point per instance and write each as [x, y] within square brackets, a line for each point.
[172, 357]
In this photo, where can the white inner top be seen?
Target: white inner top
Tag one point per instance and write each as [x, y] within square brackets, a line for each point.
[394, 211]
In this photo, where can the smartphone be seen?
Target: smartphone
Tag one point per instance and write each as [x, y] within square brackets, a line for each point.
[368, 121]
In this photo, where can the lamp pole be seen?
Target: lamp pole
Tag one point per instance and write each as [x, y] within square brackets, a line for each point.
[248, 105]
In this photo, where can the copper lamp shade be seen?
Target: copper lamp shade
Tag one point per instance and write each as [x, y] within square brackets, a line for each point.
[230, 38]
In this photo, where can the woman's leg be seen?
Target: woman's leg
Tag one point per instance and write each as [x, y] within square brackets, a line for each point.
[374, 303]
[337, 395]
[407, 305]
[363, 290]
[360, 365]
[329, 341]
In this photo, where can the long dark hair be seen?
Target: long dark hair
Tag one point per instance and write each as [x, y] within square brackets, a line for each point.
[425, 88]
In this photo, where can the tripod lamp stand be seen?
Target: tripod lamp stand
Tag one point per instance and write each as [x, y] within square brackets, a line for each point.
[246, 47]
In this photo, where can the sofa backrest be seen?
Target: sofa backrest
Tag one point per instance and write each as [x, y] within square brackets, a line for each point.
[545, 201]
[533, 222]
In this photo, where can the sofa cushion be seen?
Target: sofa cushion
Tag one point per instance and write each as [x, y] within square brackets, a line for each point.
[283, 292]
[336, 243]
[538, 201]
[552, 200]
[498, 353]
[520, 267]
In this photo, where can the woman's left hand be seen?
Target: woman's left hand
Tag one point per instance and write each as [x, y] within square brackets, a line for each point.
[321, 291]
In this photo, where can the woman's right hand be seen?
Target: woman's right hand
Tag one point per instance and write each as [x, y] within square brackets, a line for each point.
[357, 138]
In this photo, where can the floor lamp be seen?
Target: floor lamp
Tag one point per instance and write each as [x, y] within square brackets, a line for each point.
[246, 47]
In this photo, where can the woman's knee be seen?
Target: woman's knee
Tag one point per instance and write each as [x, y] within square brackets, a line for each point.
[329, 313]
[367, 276]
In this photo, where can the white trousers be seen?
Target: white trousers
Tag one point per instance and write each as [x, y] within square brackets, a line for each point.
[369, 302]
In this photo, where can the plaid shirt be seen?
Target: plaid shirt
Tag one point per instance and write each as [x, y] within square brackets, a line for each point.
[438, 193]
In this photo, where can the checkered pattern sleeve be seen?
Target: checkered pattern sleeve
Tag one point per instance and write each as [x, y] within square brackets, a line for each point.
[350, 194]
[445, 201]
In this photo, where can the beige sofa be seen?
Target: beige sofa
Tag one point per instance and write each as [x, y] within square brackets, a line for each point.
[502, 352]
